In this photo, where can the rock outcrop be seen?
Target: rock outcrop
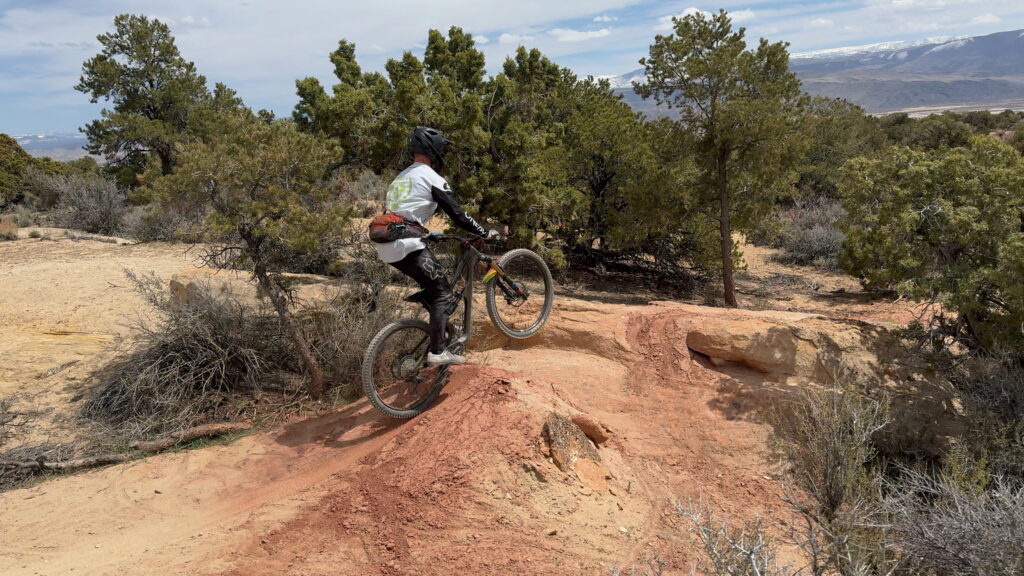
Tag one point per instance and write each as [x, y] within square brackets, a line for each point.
[793, 351]
[820, 349]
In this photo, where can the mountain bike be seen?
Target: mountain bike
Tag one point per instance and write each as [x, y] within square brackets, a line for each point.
[519, 294]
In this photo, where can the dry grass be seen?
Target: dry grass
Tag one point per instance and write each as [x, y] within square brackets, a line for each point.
[8, 230]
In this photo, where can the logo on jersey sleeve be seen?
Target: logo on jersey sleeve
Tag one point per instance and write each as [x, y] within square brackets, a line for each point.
[398, 192]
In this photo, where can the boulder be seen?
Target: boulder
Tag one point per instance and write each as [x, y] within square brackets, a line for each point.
[816, 348]
[567, 442]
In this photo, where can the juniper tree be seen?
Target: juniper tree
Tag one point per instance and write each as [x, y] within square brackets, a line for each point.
[740, 108]
[948, 226]
[263, 184]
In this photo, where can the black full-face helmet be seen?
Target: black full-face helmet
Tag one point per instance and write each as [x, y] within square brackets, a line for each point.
[431, 143]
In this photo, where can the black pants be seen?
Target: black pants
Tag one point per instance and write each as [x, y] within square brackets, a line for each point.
[423, 267]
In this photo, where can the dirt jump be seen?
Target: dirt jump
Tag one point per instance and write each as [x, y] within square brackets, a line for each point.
[476, 485]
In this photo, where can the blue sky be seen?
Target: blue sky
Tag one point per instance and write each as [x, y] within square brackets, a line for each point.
[260, 47]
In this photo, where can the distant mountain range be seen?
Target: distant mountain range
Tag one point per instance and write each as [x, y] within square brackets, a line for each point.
[57, 145]
[948, 73]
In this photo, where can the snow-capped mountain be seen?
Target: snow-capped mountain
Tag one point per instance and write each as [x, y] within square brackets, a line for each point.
[979, 72]
[873, 48]
[625, 81]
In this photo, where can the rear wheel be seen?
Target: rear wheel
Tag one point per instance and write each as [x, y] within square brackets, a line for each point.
[519, 299]
[396, 378]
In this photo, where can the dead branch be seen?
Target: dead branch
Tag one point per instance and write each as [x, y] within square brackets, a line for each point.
[138, 448]
[194, 433]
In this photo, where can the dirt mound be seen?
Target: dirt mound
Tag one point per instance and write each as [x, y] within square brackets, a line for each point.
[463, 489]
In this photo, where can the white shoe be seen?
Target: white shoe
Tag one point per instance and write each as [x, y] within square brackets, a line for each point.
[445, 358]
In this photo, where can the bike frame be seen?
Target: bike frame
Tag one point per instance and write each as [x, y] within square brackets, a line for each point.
[465, 267]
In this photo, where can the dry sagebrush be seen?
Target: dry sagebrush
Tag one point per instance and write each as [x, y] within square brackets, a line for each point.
[92, 204]
[187, 364]
[947, 527]
[827, 438]
[734, 550]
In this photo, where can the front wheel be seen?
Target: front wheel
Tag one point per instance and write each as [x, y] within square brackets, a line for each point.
[396, 378]
[519, 298]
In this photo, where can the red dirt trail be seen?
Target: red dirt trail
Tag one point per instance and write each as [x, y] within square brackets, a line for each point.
[466, 488]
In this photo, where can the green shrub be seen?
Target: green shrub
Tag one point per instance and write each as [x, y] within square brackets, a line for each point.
[944, 226]
[13, 161]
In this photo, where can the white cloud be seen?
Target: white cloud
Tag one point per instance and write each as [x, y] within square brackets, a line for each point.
[605, 18]
[741, 16]
[665, 22]
[514, 38]
[986, 19]
[568, 35]
[190, 21]
[481, 39]
[820, 23]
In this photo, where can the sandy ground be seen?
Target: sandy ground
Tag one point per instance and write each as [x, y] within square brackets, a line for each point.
[464, 489]
[63, 304]
[769, 285]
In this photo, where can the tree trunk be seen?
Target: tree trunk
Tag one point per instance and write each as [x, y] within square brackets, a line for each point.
[725, 230]
[316, 374]
[166, 165]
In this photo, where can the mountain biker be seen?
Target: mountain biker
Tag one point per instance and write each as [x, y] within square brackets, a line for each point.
[415, 195]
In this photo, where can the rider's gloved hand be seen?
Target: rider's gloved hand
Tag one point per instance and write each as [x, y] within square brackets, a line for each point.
[492, 234]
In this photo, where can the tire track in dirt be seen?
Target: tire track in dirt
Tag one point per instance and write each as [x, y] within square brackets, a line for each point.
[169, 508]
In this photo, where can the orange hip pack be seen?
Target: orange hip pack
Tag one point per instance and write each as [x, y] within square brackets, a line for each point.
[389, 227]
